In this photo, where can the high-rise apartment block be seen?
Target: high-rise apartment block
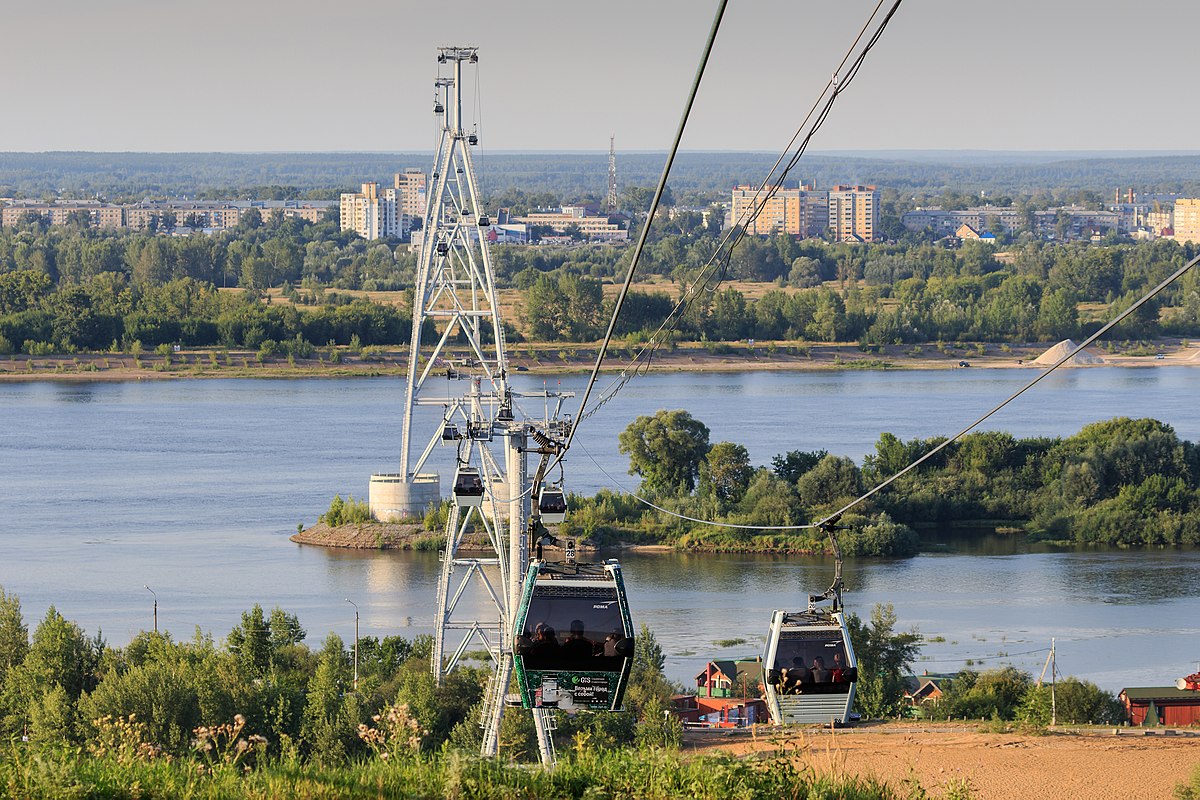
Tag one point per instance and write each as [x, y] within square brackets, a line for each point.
[374, 214]
[797, 212]
[410, 192]
[854, 213]
[1187, 220]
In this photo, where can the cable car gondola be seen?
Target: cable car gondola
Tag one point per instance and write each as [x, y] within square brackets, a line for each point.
[810, 668]
[552, 505]
[468, 488]
[574, 649]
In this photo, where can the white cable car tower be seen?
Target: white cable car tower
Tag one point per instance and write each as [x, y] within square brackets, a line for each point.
[456, 291]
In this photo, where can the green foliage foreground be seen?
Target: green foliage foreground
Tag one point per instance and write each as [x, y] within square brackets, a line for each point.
[644, 773]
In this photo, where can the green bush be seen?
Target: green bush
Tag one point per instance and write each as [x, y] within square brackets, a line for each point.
[346, 512]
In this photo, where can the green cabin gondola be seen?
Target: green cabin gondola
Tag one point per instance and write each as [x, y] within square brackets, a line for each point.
[574, 648]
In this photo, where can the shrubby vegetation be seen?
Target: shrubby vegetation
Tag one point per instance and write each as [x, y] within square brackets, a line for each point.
[1008, 694]
[61, 687]
[1123, 481]
[262, 715]
[346, 512]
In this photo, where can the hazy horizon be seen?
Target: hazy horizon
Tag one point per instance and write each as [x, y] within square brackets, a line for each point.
[279, 77]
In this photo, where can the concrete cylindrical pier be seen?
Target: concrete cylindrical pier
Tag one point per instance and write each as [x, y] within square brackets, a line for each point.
[394, 499]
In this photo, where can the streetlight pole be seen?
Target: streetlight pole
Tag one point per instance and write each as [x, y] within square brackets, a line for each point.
[151, 591]
[351, 602]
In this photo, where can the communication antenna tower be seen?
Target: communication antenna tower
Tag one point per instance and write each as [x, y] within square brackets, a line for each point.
[611, 203]
[455, 306]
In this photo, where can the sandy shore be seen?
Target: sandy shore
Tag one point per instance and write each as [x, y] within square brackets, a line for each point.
[566, 359]
[996, 766]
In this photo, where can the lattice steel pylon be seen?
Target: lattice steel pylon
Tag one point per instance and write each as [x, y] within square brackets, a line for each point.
[611, 201]
[455, 304]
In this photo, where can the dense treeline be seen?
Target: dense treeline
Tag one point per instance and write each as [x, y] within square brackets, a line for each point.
[64, 289]
[882, 294]
[1124, 482]
[133, 176]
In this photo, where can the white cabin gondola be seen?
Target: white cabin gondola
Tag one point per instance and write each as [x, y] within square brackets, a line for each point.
[810, 669]
[574, 648]
[552, 505]
[468, 488]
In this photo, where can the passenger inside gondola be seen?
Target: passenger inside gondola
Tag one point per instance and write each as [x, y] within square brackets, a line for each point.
[577, 647]
[803, 666]
[594, 641]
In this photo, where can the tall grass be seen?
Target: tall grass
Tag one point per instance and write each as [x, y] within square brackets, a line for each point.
[630, 773]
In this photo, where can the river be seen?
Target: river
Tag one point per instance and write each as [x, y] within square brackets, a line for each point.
[192, 487]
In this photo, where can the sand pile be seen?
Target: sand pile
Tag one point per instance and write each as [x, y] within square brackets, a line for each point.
[1061, 349]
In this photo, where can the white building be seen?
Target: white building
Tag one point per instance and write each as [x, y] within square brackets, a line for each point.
[373, 214]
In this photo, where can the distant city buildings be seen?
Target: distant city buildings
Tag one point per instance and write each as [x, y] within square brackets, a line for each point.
[846, 213]
[374, 214]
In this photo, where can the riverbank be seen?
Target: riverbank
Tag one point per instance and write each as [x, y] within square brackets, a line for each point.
[560, 359]
[393, 536]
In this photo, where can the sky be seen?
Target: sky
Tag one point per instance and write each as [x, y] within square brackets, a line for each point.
[312, 75]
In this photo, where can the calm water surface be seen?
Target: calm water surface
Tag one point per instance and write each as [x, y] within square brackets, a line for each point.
[193, 487]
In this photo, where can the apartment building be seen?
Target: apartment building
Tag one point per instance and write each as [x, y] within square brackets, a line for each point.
[410, 192]
[991, 219]
[1074, 222]
[803, 211]
[593, 228]
[208, 215]
[374, 214]
[99, 215]
[1186, 220]
[854, 213]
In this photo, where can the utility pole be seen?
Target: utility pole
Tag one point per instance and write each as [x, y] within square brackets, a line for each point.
[1052, 665]
[151, 591]
[351, 602]
[1053, 680]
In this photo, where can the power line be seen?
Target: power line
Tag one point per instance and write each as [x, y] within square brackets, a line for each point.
[718, 263]
[641, 243]
[832, 518]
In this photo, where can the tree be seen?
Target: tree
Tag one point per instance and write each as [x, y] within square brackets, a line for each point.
[833, 479]
[884, 657]
[726, 472]
[251, 642]
[14, 635]
[794, 463]
[665, 450]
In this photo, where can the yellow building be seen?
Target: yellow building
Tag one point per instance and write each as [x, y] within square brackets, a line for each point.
[1187, 220]
[796, 212]
[410, 192]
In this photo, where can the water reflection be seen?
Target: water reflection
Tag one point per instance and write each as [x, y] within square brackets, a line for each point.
[74, 392]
